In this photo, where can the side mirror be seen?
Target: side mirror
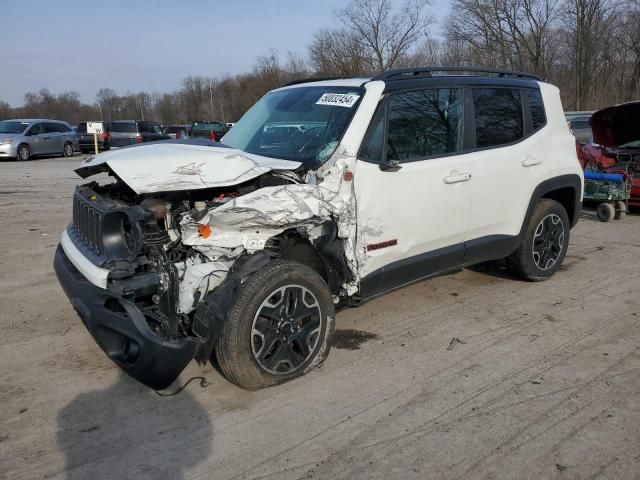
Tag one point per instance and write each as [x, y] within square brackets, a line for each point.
[390, 166]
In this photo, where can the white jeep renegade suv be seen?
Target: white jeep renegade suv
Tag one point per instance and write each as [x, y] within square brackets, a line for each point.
[325, 194]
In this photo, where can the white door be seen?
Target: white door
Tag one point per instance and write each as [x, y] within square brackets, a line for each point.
[512, 164]
[413, 191]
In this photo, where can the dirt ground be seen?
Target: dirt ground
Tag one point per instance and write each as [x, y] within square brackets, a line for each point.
[546, 383]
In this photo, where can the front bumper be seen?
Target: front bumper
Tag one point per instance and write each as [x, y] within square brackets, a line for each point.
[9, 150]
[119, 327]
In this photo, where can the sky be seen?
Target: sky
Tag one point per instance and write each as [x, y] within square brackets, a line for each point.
[150, 45]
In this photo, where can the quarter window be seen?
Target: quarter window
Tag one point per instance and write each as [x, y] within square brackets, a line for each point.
[373, 143]
[536, 106]
[498, 116]
[424, 123]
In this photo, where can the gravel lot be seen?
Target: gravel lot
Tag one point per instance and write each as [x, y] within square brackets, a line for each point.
[545, 385]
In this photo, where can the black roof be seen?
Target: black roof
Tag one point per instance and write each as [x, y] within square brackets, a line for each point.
[434, 72]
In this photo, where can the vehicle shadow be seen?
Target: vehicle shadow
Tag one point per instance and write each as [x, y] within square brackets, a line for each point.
[494, 268]
[126, 431]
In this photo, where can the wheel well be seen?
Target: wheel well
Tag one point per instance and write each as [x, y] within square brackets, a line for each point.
[294, 247]
[324, 254]
[566, 196]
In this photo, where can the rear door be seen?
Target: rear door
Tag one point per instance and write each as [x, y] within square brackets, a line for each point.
[508, 164]
[52, 139]
[412, 216]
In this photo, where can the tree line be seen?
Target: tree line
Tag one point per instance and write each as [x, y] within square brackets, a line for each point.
[588, 48]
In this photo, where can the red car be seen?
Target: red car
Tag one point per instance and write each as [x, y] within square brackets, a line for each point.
[616, 143]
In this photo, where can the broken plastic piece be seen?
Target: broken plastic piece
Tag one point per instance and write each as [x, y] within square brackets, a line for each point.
[204, 231]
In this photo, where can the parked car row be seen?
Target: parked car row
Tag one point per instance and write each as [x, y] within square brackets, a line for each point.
[22, 139]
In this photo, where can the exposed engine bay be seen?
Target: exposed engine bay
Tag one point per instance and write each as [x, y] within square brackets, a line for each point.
[167, 250]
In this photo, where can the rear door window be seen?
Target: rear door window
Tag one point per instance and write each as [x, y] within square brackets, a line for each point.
[49, 128]
[424, 123]
[58, 127]
[498, 116]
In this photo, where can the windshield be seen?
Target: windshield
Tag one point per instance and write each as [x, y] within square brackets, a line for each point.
[13, 127]
[303, 124]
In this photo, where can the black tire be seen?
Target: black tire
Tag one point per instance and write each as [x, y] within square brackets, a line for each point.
[621, 210]
[545, 243]
[247, 331]
[24, 153]
[67, 150]
[605, 212]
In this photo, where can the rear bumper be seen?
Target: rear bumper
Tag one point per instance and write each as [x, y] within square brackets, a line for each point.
[119, 327]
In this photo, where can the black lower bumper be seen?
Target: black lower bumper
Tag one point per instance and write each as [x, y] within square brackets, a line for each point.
[121, 330]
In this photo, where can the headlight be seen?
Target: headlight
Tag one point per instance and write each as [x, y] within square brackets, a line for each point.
[6, 141]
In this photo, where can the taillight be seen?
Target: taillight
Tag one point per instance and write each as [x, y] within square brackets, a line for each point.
[177, 134]
[105, 136]
[212, 136]
[139, 139]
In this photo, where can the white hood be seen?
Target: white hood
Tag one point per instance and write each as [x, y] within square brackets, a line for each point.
[177, 166]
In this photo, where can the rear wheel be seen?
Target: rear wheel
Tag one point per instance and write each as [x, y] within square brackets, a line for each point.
[545, 242]
[621, 210]
[67, 150]
[605, 212]
[24, 153]
[279, 328]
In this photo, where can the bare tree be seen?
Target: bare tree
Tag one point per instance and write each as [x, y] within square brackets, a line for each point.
[374, 36]
[519, 34]
[589, 24]
[384, 35]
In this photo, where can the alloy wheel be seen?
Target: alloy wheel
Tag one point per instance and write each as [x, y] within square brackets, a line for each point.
[286, 329]
[548, 241]
[23, 153]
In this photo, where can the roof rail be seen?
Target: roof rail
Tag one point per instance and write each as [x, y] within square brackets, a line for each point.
[403, 73]
[309, 80]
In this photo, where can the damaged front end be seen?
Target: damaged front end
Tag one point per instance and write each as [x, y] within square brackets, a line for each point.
[153, 275]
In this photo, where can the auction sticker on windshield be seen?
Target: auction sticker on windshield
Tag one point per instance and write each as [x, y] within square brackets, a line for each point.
[338, 99]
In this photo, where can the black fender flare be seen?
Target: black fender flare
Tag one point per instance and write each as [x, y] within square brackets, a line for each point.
[572, 181]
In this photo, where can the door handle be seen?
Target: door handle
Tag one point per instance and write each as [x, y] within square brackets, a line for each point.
[456, 177]
[531, 160]
[46, 138]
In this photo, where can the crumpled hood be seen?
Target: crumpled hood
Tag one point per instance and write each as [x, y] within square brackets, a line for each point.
[617, 125]
[167, 166]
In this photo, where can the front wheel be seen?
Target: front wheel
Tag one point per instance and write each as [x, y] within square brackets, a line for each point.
[280, 327]
[67, 151]
[545, 242]
[24, 153]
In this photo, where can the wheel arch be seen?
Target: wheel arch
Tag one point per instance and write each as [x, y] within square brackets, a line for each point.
[324, 253]
[565, 189]
[23, 144]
